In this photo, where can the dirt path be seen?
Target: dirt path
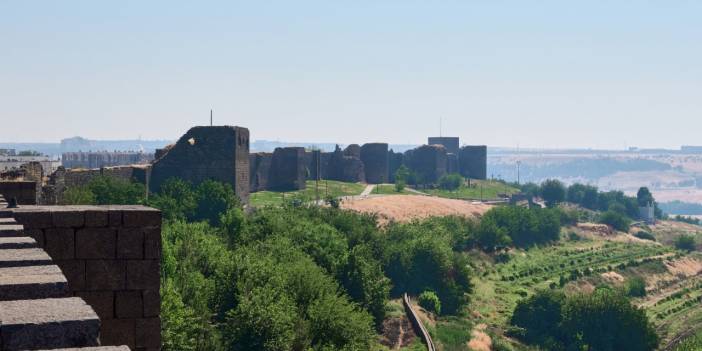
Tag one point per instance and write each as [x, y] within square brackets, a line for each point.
[368, 190]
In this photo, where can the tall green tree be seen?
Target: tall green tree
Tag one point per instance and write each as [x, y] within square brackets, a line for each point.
[553, 192]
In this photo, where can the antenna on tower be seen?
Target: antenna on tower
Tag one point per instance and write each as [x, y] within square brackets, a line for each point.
[441, 126]
[210, 117]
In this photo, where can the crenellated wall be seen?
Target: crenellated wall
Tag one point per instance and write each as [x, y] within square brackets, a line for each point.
[110, 256]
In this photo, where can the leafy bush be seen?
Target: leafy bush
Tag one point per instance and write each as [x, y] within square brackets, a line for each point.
[430, 302]
[602, 320]
[79, 195]
[616, 220]
[636, 287]
[645, 235]
[685, 242]
[553, 192]
[525, 227]
[451, 182]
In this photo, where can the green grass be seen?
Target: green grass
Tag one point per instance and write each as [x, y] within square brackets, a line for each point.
[389, 189]
[451, 333]
[326, 187]
[478, 189]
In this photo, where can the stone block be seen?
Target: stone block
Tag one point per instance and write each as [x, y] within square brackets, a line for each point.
[7, 221]
[7, 230]
[114, 217]
[130, 243]
[34, 218]
[141, 217]
[23, 258]
[74, 270]
[66, 218]
[60, 243]
[152, 243]
[36, 234]
[48, 323]
[152, 303]
[118, 332]
[143, 274]
[96, 218]
[96, 243]
[18, 242]
[105, 275]
[33, 282]
[129, 304]
[103, 302]
[148, 333]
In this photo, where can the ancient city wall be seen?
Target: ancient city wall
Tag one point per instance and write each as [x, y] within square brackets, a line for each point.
[288, 169]
[451, 144]
[219, 153]
[110, 256]
[259, 170]
[429, 162]
[473, 161]
[375, 162]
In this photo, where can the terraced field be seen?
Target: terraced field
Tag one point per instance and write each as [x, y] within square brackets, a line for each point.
[673, 281]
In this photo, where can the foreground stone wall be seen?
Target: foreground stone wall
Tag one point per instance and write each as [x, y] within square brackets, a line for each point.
[110, 256]
[25, 192]
[219, 153]
[375, 162]
[473, 161]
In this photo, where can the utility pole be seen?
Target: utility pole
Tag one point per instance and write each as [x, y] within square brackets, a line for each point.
[210, 117]
[518, 164]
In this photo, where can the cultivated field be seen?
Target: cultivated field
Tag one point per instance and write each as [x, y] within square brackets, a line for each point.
[404, 208]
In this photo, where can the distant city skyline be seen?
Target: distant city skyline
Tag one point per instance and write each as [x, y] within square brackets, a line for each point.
[551, 74]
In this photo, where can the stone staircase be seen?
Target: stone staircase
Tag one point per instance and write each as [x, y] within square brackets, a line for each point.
[37, 310]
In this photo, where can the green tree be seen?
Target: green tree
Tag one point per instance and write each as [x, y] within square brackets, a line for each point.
[616, 220]
[553, 192]
[176, 199]
[213, 199]
[644, 197]
[636, 287]
[366, 283]
[606, 320]
[401, 178]
[110, 190]
[539, 316]
[78, 195]
[451, 182]
[491, 236]
[430, 302]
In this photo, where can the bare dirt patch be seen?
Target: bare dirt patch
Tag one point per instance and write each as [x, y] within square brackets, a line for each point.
[612, 277]
[687, 267]
[404, 208]
[480, 341]
[397, 333]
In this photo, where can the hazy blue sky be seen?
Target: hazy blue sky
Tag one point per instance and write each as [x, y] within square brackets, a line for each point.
[534, 73]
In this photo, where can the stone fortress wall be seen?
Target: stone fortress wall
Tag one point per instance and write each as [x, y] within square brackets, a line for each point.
[78, 276]
[222, 153]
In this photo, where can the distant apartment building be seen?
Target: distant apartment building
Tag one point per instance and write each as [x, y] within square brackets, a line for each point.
[7, 152]
[10, 162]
[104, 159]
[690, 149]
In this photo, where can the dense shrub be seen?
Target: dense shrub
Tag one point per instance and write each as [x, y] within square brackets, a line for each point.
[526, 227]
[430, 302]
[616, 220]
[685, 242]
[451, 182]
[553, 192]
[645, 235]
[105, 190]
[602, 320]
[636, 287]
